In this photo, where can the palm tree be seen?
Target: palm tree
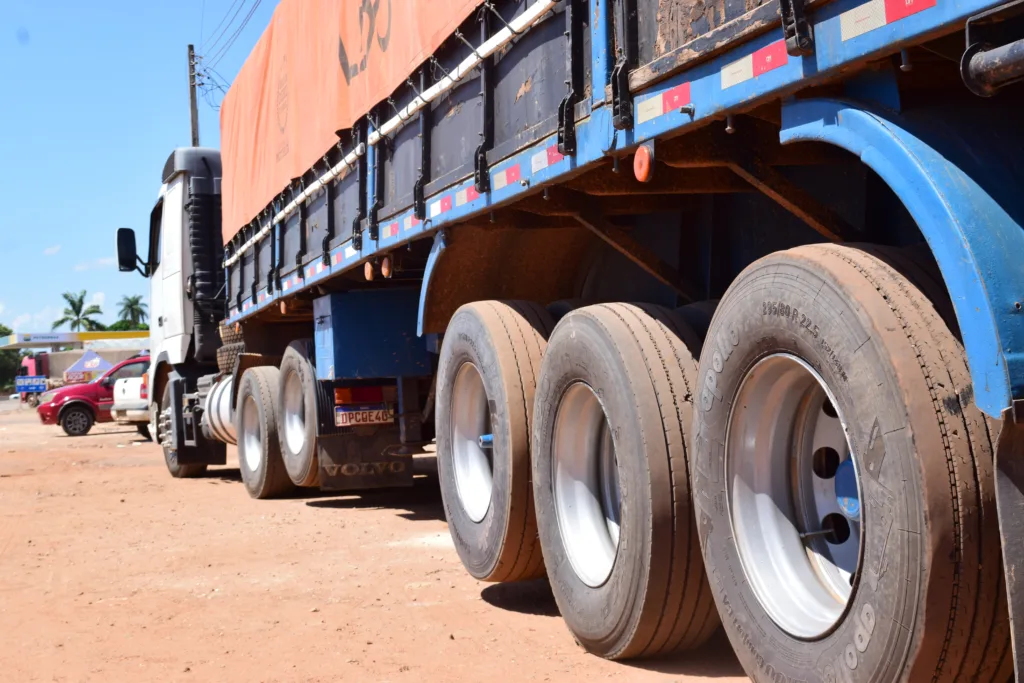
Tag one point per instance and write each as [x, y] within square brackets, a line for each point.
[132, 310]
[77, 315]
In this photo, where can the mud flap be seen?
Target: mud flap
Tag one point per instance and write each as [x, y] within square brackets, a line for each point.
[369, 459]
[1010, 502]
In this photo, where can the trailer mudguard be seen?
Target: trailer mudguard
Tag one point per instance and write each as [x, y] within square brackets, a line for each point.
[969, 213]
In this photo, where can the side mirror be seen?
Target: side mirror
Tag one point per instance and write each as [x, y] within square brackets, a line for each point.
[127, 256]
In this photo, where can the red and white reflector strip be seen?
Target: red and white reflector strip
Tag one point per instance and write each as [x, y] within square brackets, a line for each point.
[663, 103]
[440, 206]
[390, 230]
[467, 195]
[350, 251]
[410, 223]
[876, 14]
[315, 269]
[545, 158]
[753, 65]
[290, 282]
[246, 305]
[502, 179]
[336, 258]
[262, 296]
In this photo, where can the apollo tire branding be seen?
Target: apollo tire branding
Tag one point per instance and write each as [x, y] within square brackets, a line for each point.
[842, 662]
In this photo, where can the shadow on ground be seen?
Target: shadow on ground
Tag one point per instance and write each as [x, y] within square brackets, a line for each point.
[713, 660]
[525, 597]
[232, 474]
[420, 502]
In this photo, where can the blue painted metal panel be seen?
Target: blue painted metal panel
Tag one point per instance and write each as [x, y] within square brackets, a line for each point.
[978, 242]
[435, 253]
[369, 334]
[704, 89]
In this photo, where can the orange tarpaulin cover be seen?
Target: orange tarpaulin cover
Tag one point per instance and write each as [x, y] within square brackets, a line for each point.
[319, 66]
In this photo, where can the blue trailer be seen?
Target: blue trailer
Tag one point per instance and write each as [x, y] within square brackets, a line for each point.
[689, 296]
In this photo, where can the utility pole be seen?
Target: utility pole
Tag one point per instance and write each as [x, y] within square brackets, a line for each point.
[192, 94]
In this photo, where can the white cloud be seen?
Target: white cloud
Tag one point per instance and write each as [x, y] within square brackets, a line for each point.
[41, 321]
[105, 262]
[50, 251]
[98, 298]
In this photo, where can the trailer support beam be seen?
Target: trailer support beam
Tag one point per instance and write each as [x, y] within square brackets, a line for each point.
[620, 240]
[793, 198]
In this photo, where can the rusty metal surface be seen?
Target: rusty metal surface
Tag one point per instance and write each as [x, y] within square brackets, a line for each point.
[665, 181]
[692, 31]
[503, 261]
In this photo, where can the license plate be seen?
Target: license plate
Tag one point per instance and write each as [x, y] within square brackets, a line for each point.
[353, 416]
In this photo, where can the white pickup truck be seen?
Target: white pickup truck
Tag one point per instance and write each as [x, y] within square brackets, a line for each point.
[131, 403]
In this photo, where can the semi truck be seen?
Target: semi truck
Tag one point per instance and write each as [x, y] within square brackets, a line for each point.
[712, 309]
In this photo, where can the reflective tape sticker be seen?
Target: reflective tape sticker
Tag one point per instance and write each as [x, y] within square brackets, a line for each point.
[410, 222]
[467, 195]
[502, 179]
[350, 251]
[545, 158]
[878, 13]
[391, 230]
[662, 103]
[860, 20]
[762, 61]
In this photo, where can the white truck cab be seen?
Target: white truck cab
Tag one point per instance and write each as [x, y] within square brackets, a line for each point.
[184, 266]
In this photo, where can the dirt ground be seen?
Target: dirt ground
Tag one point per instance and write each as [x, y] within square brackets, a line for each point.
[112, 571]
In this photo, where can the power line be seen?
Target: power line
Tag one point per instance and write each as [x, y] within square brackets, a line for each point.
[215, 60]
[240, 3]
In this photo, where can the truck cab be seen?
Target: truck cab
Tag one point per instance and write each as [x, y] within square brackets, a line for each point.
[183, 265]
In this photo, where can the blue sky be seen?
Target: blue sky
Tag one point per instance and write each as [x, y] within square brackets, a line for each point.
[94, 98]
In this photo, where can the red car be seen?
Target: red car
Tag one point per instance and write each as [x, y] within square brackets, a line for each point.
[77, 407]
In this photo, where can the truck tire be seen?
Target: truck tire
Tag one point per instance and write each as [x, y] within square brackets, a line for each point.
[76, 420]
[561, 308]
[256, 424]
[698, 315]
[297, 410]
[611, 482]
[845, 496]
[227, 355]
[228, 334]
[486, 378]
[177, 470]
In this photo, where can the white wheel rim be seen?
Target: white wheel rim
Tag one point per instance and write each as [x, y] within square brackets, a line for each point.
[471, 419]
[294, 413]
[251, 436]
[588, 497]
[793, 495]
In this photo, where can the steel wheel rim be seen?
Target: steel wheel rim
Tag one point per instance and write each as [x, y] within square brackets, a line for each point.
[793, 505]
[294, 413]
[587, 491]
[251, 436]
[76, 421]
[473, 464]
